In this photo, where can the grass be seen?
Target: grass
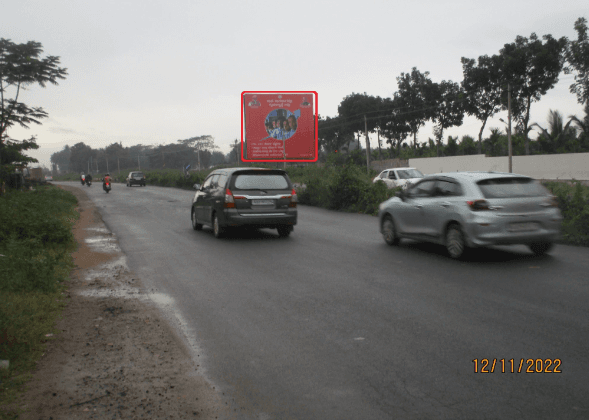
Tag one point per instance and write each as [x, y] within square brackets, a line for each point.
[35, 243]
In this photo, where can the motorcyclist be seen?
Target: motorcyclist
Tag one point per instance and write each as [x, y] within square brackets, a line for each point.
[106, 180]
[89, 177]
[82, 178]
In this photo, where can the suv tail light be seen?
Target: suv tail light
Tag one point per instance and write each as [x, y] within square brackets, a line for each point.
[477, 205]
[293, 199]
[229, 201]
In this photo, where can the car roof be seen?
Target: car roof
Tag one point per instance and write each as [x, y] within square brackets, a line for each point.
[228, 171]
[390, 169]
[477, 175]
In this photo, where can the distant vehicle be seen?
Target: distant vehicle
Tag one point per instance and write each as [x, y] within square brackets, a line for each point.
[255, 197]
[473, 209]
[135, 178]
[48, 178]
[399, 177]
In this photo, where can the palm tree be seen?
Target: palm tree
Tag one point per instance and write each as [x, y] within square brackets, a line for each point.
[559, 138]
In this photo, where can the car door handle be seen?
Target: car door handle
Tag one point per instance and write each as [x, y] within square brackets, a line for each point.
[445, 204]
[419, 206]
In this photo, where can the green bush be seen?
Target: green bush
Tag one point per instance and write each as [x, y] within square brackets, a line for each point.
[573, 201]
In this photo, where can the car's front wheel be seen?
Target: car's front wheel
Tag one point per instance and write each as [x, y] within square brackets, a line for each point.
[541, 248]
[284, 231]
[195, 224]
[455, 243]
[389, 233]
[217, 229]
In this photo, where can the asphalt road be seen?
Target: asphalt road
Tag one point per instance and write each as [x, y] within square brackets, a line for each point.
[331, 323]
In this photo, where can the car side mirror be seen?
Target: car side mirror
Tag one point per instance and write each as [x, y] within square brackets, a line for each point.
[400, 194]
[196, 187]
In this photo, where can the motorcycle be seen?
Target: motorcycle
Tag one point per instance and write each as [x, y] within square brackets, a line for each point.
[88, 182]
[82, 181]
[106, 186]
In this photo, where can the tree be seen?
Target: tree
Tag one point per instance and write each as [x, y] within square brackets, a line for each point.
[393, 122]
[20, 67]
[200, 144]
[559, 138]
[333, 134]
[482, 89]
[415, 97]
[577, 58]
[80, 155]
[62, 159]
[449, 111]
[531, 67]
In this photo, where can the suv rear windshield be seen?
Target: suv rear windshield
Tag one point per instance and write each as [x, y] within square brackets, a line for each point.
[260, 181]
[512, 188]
[137, 175]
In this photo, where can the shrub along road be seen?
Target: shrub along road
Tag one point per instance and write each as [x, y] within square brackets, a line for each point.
[331, 323]
[113, 355]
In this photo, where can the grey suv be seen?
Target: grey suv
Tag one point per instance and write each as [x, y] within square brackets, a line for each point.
[473, 209]
[136, 178]
[256, 197]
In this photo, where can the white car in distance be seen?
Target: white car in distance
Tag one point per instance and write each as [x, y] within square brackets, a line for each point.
[399, 177]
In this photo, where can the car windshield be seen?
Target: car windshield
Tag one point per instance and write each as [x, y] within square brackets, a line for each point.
[261, 182]
[409, 173]
[512, 188]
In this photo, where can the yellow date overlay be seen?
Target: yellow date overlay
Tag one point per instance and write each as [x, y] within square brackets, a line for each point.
[517, 365]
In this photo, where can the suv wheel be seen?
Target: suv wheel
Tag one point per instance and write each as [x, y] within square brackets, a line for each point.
[284, 231]
[455, 243]
[541, 248]
[389, 233]
[217, 229]
[195, 224]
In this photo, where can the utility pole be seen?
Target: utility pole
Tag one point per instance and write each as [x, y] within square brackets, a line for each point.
[138, 163]
[88, 166]
[236, 155]
[107, 165]
[119, 164]
[367, 145]
[509, 127]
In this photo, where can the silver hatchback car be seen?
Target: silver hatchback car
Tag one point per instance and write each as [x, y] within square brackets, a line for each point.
[473, 209]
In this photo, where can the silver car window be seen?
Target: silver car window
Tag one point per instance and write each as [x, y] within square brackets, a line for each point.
[423, 189]
[447, 189]
[392, 175]
[512, 188]
[383, 174]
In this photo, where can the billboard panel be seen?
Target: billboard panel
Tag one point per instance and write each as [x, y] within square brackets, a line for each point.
[279, 126]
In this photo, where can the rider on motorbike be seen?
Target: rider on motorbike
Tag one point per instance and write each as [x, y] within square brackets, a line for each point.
[82, 178]
[88, 178]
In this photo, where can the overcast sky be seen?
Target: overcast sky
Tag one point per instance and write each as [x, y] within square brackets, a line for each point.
[154, 72]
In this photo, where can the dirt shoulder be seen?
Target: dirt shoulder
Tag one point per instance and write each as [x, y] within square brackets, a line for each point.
[115, 356]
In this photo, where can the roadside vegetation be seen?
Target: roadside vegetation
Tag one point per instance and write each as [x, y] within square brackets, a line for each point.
[36, 241]
[573, 201]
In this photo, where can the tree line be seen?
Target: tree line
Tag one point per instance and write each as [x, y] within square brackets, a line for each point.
[198, 152]
[525, 69]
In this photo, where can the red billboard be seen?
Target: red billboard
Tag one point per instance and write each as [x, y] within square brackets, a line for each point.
[279, 126]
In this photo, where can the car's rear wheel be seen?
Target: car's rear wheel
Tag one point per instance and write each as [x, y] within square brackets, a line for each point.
[541, 248]
[284, 231]
[389, 233]
[217, 229]
[455, 243]
[195, 224]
